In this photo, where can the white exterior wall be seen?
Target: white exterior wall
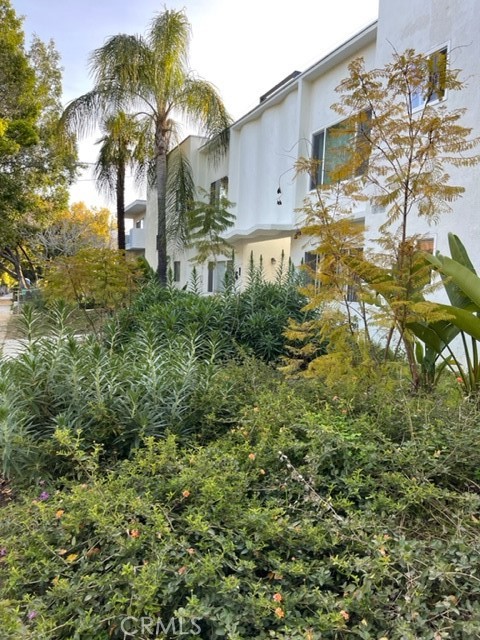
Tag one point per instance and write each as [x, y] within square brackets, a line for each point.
[427, 26]
[265, 143]
[204, 171]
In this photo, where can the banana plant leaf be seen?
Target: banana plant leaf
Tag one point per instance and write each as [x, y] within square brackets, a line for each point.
[466, 281]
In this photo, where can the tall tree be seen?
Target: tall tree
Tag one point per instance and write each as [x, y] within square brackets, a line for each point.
[123, 145]
[35, 164]
[151, 76]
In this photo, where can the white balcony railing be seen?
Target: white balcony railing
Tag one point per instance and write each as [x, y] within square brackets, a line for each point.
[135, 239]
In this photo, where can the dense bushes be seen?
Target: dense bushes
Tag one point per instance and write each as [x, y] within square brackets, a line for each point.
[300, 522]
[161, 474]
[150, 386]
[252, 320]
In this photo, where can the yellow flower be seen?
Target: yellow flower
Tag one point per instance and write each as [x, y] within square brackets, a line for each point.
[59, 513]
[71, 557]
[186, 493]
[279, 612]
[251, 456]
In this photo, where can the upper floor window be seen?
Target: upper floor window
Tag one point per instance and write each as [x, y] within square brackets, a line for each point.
[340, 151]
[218, 190]
[433, 89]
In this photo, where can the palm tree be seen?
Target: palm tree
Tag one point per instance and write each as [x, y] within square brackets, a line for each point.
[150, 77]
[123, 145]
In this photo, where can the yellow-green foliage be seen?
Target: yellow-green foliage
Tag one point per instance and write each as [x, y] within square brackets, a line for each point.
[94, 277]
[396, 157]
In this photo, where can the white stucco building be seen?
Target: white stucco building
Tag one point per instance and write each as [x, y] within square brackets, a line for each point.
[289, 120]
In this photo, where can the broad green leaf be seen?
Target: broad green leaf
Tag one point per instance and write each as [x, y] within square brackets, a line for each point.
[467, 281]
[459, 253]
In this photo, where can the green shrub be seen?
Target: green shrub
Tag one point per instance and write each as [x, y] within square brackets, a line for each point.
[113, 397]
[252, 321]
[297, 523]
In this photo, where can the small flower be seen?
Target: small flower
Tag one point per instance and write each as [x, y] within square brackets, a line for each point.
[32, 615]
[92, 552]
[277, 597]
[134, 533]
[459, 379]
[44, 496]
[186, 493]
[191, 551]
[3, 552]
[62, 552]
[279, 612]
[251, 456]
[71, 557]
[344, 411]
[345, 615]
[59, 513]
[182, 570]
[262, 472]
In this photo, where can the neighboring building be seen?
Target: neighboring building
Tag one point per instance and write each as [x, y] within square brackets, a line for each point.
[292, 121]
[135, 237]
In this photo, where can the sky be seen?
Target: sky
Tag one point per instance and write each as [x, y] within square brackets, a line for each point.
[243, 48]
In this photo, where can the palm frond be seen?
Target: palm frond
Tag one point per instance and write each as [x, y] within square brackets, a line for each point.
[180, 196]
[124, 69]
[169, 40]
[202, 105]
[83, 115]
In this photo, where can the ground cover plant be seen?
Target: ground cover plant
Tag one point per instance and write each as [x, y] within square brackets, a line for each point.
[305, 519]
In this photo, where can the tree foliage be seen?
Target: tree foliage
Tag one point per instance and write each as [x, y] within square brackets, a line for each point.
[73, 229]
[397, 158]
[36, 165]
[150, 76]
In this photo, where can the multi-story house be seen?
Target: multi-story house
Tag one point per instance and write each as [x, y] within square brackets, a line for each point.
[294, 119]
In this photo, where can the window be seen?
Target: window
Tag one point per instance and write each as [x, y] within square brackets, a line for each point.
[311, 260]
[139, 224]
[338, 146]
[218, 190]
[434, 89]
[426, 244]
[176, 270]
[217, 272]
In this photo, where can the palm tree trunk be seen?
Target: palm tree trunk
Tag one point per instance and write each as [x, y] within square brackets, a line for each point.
[121, 206]
[161, 179]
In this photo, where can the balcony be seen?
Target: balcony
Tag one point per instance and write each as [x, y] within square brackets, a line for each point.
[135, 240]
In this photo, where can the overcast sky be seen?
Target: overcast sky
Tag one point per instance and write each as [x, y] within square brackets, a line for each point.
[244, 48]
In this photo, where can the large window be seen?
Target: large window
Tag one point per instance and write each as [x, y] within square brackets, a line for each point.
[434, 85]
[340, 151]
[218, 190]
